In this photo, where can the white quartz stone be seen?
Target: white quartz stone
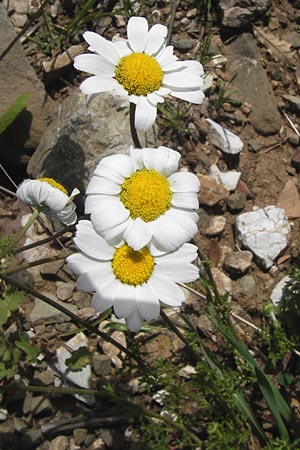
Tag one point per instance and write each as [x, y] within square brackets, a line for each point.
[264, 232]
[229, 179]
[278, 290]
[224, 139]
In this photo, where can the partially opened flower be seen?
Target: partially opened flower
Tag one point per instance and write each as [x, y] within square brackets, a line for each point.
[132, 282]
[142, 67]
[49, 197]
[141, 198]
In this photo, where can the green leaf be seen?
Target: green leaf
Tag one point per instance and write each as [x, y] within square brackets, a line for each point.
[79, 359]
[13, 300]
[31, 350]
[4, 314]
[13, 110]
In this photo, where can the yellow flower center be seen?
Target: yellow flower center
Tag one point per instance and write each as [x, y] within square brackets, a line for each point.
[139, 74]
[146, 194]
[132, 267]
[54, 183]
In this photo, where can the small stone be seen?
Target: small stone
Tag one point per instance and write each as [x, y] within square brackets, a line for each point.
[64, 290]
[192, 13]
[223, 282]
[236, 201]
[211, 192]
[185, 44]
[45, 314]
[80, 435]
[264, 232]
[45, 378]
[187, 372]
[245, 287]
[294, 139]
[238, 263]
[216, 226]
[293, 102]
[229, 179]
[101, 364]
[224, 139]
[40, 405]
[3, 414]
[98, 444]
[113, 352]
[242, 188]
[59, 443]
[31, 439]
[289, 200]
[254, 146]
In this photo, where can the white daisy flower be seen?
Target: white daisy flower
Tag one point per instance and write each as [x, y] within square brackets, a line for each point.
[49, 197]
[142, 67]
[141, 198]
[132, 282]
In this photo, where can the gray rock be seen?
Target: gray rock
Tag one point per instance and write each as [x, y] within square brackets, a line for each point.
[185, 44]
[293, 102]
[238, 14]
[59, 443]
[79, 135]
[31, 439]
[18, 76]
[80, 435]
[245, 287]
[40, 405]
[236, 201]
[44, 313]
[237, 263]
[101, 364]
[216, 226]
[264, 232]
[250, 84]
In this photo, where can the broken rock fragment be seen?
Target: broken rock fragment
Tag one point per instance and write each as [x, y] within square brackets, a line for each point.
[264, 232]
[224, 139]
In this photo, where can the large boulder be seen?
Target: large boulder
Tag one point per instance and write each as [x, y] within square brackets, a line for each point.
[18, 76]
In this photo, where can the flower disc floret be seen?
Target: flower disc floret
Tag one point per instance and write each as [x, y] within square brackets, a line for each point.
[54, 184]
[146, 194]
[139, 74]
[132, 267]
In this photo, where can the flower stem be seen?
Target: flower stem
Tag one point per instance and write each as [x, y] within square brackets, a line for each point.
[134, 135]
[32, 264]
[21, 233]
[78, 321]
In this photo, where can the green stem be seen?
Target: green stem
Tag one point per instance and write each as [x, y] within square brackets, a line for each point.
[32, 264]
[78, 321]
[44, 241]
[134, 135]
[21, 233]
[174, 328]
[105, 395]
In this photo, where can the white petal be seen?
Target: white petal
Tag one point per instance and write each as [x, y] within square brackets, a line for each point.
[67, 215]
[117, 231]
[104, 48]
[164, 160]
[100, 185]
[156, 38]
[97, 84]
[147, 302]
[110, 174]
[91, 243]
[186, 253]
[134, 322]
[94, 64]
[93, 279]
[137, 155]
[181, 79]
[138, 234]
[109, 213]
[166, 56]
[177, 214]
[125, 300]
[167, 234]
[91, 203]
[137, 33]
[154, 98]
[122, 47]
[185, 200]
[121, 164]
[145, 114]
[194, 67]
[167, 291]
[184, 182]
[79, 264]
[179, 273]
[100, 304]
[194, 96]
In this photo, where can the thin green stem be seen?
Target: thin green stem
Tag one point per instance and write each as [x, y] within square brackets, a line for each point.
[134, 135]
[173, 327]
[78, 321]
[133, 407]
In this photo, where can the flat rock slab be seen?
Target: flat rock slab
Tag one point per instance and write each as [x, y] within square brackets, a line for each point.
[264, 232]
[289, 200]
[42, 313]
[18, 76]
[249, 83]
[79, 136]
